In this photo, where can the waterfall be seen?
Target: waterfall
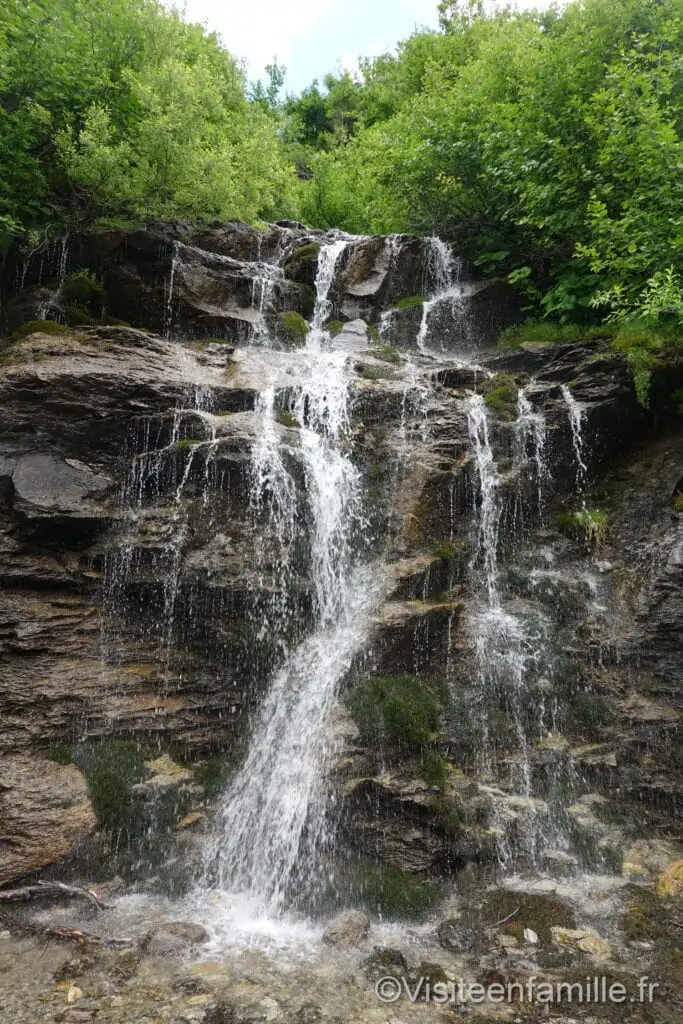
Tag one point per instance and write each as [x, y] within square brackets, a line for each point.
[489, 510]
[531, 431]
[576, 424]
[271, 822]
[440, 268]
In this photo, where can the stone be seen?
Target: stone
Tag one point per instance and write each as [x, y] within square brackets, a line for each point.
[384, 961]
[649, 857]
[44, 812]
[456, 937]
[348, 930]
[584, 940]
[173, 938]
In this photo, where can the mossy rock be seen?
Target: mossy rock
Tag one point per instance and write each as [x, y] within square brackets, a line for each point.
[398, 712]
[334, 327]
[500, 396]
[585, 524]
[187, 442]
[645, 918]
[397, 894]
[410, 302]
[307, 298]
[38, 327]
[292, 329]
[538, 911]
[81, 289]
[302, 265]
[111, 769]
[287, 419]
[369, 372]
[112, 321]
[434, 769]
[387, 353]
[588, 714]
[373, 333]
[448, 550]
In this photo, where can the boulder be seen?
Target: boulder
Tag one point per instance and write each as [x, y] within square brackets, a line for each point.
[348, 930]
[44, 812]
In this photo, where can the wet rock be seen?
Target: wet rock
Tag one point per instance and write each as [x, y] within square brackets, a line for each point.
[584, 940]
[348, 930]
[649, 857]
[457, 938]
[383, 961]
[44, 811]
[173, 938]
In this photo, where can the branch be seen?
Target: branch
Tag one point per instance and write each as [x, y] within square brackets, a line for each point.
[42, 890]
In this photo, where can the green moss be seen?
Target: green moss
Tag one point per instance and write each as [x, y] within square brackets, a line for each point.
[286, 419]
[500, 395]
[292, 329]
[587, 715]
[545, 332]
[369, 372]
[111, 321]
[397, 894]
[60, 753]
[585, 524]
[399, 712]
[111, 769]
[447, 550]
[387, 353]
[76, 316]
[187, 442]
[434, 769]
[410, 302]
[373, 333]
[81, 289]
[334, 327]
[644, 919]
[38, 327]
[678, 503]
[540, 912]
[304, 253]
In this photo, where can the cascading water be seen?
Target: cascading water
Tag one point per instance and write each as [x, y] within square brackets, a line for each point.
[576, 423]
[272, 819]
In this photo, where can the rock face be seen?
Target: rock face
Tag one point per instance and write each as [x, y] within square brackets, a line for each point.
[135, 564]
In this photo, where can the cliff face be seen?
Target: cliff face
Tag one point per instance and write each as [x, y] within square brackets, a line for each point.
[135, 563]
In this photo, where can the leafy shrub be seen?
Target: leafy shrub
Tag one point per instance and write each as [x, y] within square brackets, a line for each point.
[434, 769]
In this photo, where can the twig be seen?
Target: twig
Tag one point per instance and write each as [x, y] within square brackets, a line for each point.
[85, 939]
[504, 919]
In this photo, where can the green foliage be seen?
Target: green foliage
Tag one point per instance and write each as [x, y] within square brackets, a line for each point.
[76, 316]
[39, 327]
[287, 419]
[586, 524]
[292, 329]
[400, 712]
[120, 109]
[544, 144]
[546, 332]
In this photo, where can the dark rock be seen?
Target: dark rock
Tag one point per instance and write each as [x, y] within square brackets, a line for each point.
[383, 962]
